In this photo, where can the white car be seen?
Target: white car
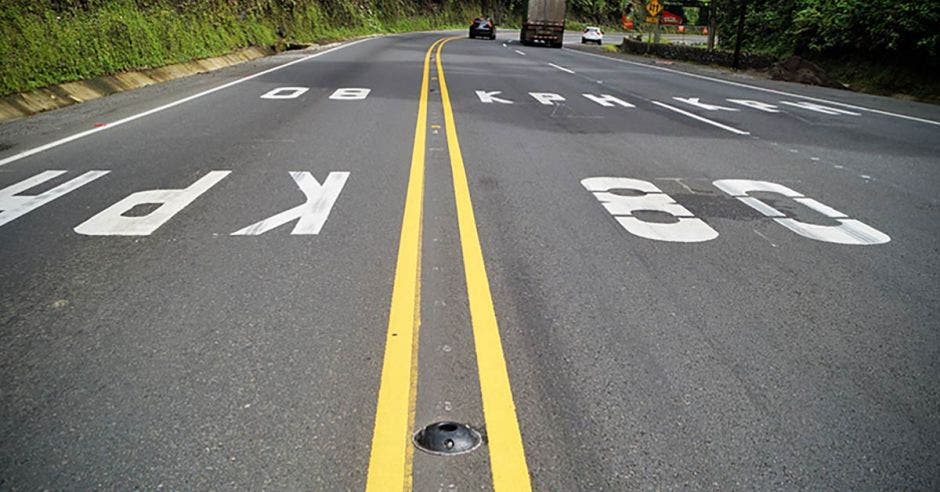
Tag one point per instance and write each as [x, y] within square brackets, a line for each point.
[592, 35]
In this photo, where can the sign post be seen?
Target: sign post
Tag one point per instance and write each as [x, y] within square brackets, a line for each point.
[654, 9]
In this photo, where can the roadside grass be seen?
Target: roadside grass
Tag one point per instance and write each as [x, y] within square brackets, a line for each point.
[884, 78]
[39, 49]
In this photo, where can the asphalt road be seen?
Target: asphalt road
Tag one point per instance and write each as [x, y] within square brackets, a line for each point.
[624, 275]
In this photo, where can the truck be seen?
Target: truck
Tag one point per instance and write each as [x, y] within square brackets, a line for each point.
[544, 22]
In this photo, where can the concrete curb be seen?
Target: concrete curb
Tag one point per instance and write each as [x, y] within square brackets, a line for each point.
[59, 96]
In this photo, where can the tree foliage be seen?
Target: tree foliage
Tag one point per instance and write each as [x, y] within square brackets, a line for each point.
[905, 32]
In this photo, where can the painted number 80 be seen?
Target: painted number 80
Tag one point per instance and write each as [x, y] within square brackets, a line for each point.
[689, 229]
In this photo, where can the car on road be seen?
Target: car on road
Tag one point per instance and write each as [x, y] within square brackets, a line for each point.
[482, 27]
[592, 35]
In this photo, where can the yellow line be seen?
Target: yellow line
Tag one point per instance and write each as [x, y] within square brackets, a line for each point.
[507, 456]
[391, 458]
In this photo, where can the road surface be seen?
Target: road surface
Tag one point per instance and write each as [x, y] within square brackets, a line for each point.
[625, 276]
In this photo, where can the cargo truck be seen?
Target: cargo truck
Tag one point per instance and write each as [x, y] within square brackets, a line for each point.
[544, 22]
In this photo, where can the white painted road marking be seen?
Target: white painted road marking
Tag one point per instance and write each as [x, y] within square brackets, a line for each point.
[762, 89]
[14, 205]
[351, 94]
[694, 101]
[758, 105]
[71, 138]
[702, 119]
[320, 199]
[311, 215]
[645, 196]
[563, 69]
[849, 231]
[285, 93]
[112, 222]
[819, 108]
[608, 101]
[520, 52]
[547, 98]
[686, 229]
[490, 97]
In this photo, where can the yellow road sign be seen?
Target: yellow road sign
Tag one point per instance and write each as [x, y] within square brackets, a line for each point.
[654, 8]
[652, 20]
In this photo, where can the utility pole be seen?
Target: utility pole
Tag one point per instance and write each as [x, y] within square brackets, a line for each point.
[738, 38]
[712, 24]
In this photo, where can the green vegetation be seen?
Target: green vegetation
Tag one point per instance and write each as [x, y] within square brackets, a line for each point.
[836, 28]
[886, 78]
[44, 42]
[878, 46]
[872, 45]
[875, 45]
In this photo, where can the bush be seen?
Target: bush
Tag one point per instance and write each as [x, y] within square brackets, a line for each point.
[45, 42]
[861, 29]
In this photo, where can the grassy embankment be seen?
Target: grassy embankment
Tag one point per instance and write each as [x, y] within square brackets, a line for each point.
[46, 42]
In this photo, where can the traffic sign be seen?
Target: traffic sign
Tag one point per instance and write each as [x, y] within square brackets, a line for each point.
[654, 8]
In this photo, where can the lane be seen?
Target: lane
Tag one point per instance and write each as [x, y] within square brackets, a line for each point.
[755, 358]
[507, 457]
[898, 153]
[28, 136]
[192, 358]
[391, 457]
[448, 385]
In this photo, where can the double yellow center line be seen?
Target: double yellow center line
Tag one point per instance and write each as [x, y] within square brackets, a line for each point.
[390, 462]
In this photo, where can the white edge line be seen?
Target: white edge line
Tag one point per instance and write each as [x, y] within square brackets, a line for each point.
[763, 89]
[563, 69]
[71, 138]
[703, 120]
